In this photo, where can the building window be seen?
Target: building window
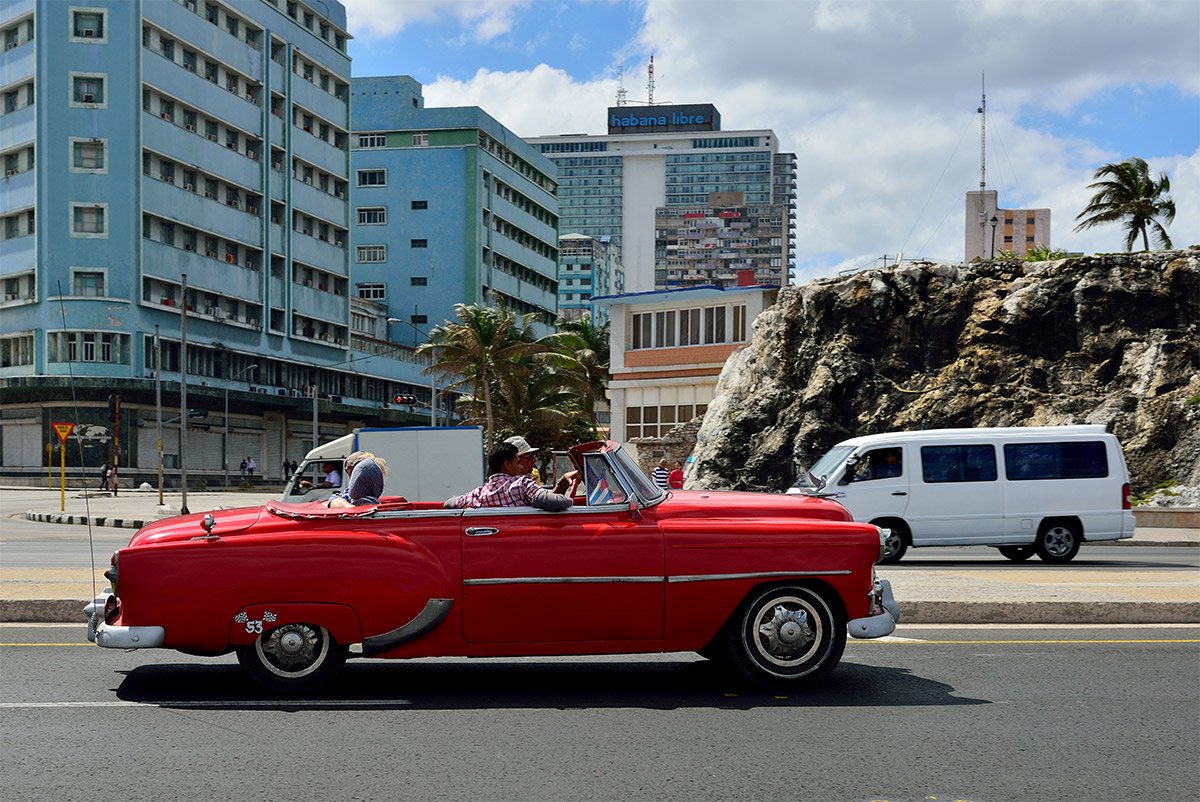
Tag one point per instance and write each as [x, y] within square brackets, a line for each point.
[372, 292]
[372, 178]
[419, 281]
[372, 216]
[689, 327]
[16, 351]
[87, 89]
[642, 331]
[88, 25]
[714, 324]
[739, 323]
[664, 329]
[87, 346]
[419, 243]
[420, 140]
[88, 220]
[372, 140]
[87, 282]
[371, 254]
[417, 205]
[87, 155]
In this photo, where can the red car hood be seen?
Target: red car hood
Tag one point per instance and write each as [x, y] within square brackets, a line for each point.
[704, 503]
[186, 527]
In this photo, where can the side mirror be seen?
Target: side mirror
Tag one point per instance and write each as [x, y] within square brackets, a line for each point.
[634, 511]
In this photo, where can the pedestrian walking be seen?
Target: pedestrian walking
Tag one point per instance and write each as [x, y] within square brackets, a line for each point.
[242, 470]
[104, 476]
[675, 480]
[251, 467]
[661, 475]
[286, 471]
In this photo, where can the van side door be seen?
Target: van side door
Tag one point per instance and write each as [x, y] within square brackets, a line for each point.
[956, 497]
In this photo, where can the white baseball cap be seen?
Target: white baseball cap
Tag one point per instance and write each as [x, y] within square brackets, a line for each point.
[522, 445]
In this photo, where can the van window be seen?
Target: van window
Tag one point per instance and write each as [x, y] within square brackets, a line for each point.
[958, 464]
[1084, 460]
[879, 463]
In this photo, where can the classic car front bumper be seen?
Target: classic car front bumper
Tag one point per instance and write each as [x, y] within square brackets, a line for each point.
[111, 637]
[885, 612]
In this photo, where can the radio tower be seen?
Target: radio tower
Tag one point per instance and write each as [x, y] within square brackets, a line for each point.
[982, 132]
[650, 83]
[621, 90]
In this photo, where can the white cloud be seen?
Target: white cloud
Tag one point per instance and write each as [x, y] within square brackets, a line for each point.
[878, 102]
[486, 19]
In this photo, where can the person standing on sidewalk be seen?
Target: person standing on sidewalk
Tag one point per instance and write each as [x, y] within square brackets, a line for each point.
[661, 475]
[104, 476]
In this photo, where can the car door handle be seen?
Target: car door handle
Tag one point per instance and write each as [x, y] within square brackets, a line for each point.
[480, 531]
[900, 493]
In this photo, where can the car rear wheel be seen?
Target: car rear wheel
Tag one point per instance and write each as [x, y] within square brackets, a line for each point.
[789, 635]
[293, 658]
[1017, 553]
[897, 540]
[1058, 541]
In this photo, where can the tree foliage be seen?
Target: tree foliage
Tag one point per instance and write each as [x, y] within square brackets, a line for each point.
[1126, 193]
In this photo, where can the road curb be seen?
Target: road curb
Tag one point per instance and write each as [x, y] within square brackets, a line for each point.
[48, 611]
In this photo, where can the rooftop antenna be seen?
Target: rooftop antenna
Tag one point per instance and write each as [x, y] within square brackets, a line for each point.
[650, 83]
[982, 110]
[622, 92]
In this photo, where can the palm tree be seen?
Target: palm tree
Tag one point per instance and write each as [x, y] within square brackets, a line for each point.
[479, 351]
[587, 368]
[1127, 194]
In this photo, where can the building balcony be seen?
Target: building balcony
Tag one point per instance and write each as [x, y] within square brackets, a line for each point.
[18, 190]
[522, 219]
[192, 148]
[19, 126]
[18, 254]
[208, 214]
[214, 275]
[191, 26]
[319, 102]
[320, 305]
[315, 151]
[307, 197]
[194, 90]
[325, 255]
[17, 64]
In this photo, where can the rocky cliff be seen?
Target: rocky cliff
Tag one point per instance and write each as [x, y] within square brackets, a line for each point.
[1110, 339]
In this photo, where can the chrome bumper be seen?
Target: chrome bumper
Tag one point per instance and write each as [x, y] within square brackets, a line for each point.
[112, 637]
[885, 612]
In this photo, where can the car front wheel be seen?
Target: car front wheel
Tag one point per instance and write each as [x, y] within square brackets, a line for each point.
[293, 658]
[1017, 553]
[790, 635]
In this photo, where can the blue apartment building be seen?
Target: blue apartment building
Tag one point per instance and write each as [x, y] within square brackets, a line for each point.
[175, 161]
[449, 207]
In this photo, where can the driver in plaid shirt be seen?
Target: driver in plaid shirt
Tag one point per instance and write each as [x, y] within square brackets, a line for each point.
[509, 483]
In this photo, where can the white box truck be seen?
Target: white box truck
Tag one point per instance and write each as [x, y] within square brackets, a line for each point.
[424, 463]
[1026, 490]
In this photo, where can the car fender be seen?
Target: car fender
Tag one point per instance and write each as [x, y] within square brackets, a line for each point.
[254, 619]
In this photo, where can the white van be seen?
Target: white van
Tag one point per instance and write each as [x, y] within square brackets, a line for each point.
[1042, 489]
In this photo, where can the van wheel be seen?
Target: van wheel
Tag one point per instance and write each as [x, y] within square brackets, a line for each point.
[1058, 541]
[1017, 554]
[896, 543]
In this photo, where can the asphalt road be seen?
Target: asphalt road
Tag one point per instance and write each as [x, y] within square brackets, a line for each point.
[969, 713]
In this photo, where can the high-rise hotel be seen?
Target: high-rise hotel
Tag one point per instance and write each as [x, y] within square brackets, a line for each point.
[661, 183]
[171, 158]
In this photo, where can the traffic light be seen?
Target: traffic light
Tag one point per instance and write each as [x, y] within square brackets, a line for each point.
[405, 399]
[114, 406]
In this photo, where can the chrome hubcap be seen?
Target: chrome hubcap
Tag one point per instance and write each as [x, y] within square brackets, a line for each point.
[784, 634]
[1059, 540]
[292, 647]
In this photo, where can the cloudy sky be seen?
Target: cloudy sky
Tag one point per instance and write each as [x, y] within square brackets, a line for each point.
[877, 99]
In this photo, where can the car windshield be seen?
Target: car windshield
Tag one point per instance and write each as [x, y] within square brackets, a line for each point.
[825, 466]
[645, 489]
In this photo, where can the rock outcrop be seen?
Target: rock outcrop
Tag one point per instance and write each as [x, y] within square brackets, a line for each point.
[1110, 339]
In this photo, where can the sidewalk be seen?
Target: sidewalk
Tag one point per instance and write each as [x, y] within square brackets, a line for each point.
[1031, 592]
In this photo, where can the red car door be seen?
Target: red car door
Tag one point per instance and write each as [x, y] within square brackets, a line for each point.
[591, 573]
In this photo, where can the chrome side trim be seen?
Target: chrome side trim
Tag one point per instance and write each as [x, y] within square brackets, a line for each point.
[434, 613]
[756, 575]
[562, 580]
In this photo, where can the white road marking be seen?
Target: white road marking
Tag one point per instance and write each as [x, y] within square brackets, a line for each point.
[214, 703]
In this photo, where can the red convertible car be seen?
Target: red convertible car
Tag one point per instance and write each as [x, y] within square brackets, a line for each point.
[770, 584]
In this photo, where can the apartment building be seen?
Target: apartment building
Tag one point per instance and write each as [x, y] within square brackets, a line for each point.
[169, 166]
[667, 349]
[449, 207]
[666, 158]
[587, 267]
[991, 230]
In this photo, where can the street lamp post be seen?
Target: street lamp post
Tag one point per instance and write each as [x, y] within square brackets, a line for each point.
[994, 221]
[225, 437]
[433, 399]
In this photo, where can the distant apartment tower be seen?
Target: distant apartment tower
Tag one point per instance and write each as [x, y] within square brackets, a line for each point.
[725, 242]
[991, 230]
[449, 207]
[587, 267]
[148, 141]
[667, 157]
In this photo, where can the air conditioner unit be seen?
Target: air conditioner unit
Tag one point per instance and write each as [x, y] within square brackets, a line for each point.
[211, 254]
[253, 321]
[253, 154]
[276, 165]
[165, 116]
[10, 45]
[252, 210]
[208, 194]
[189, 66]
[234, 204]
[308, 282]
[12, 296]
[189, 188]
[308, 180]
[231, 145]
[210, 310]
[338, 243]
[89, 98]
[187, 247]
[11, 173]
[232, 89]
[165, 177]
[340, 341]
[190, 127]
[190, 5]
[212, 137]
[88, 33]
